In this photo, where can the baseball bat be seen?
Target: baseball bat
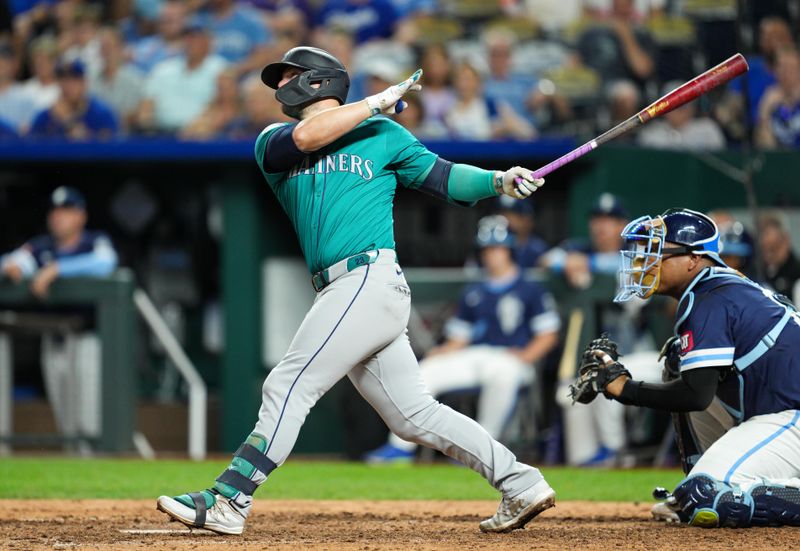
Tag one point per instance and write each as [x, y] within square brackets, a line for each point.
[722, 73]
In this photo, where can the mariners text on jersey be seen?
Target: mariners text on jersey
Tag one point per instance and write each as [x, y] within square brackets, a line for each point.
[341, 162]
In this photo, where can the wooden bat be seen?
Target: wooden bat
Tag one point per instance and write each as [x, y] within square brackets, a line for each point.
[722, 73]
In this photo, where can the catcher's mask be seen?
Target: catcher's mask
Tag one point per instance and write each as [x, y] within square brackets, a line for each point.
[319, 68]
[645, 239]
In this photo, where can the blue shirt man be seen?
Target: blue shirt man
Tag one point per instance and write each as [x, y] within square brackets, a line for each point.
[76, 114]
[364, 20]
[237, 31]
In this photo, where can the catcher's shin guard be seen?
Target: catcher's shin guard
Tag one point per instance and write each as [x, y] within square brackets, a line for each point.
[775, 505]
[710, 503]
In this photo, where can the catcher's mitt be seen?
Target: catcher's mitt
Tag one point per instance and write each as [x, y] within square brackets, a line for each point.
[599, 366]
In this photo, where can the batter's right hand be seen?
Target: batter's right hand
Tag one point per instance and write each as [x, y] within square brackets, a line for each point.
[519, 183]
[389, 101]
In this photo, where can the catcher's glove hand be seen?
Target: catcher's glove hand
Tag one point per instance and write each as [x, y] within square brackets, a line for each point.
[599, 367]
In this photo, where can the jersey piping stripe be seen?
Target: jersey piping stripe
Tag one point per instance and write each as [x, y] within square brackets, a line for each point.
[760, 445]
[289, 394]
[728, 350]
[709, 358]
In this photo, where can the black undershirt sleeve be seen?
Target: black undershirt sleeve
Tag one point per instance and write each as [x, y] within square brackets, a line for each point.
[281, 153]
[694, 391]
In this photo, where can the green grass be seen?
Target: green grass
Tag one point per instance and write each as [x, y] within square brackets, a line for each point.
[52, 478]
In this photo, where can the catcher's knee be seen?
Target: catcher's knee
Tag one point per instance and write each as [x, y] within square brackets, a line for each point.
[710, 503]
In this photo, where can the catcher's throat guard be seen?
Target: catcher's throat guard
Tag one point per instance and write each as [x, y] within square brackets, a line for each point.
[640, 263]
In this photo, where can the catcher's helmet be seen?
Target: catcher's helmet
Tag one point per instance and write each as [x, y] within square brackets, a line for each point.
[319, 67]
[645, 239]
[493, 231]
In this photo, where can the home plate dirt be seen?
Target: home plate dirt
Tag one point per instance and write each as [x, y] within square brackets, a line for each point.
[365, 526]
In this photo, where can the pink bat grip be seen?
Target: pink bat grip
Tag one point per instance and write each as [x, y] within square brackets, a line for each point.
[561, 161]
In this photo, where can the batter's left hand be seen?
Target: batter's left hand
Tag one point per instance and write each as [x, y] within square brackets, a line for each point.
[43, 279]
[519, 183]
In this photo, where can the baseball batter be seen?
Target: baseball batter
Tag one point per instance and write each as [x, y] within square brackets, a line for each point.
[335, 174]
[734, 366]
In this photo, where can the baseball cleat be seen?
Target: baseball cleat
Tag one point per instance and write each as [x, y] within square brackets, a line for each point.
[389, 454]
[516, 512]
[663, 512]
[205, 509]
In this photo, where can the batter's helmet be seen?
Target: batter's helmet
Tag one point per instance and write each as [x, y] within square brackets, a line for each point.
[493, 231]
[319, 68]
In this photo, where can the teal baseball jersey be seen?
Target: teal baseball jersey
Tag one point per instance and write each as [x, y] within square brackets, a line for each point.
[340, 197]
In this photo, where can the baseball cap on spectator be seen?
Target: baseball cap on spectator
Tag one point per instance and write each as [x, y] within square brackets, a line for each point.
[74, 68]
[608, 204]
[506, 203]
[66, 197]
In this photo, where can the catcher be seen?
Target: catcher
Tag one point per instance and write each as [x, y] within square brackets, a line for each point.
[731, 376]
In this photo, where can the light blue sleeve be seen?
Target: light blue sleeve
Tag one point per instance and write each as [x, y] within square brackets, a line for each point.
[101, 262]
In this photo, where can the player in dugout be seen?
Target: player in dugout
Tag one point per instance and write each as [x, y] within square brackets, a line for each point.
[732, 376]
[335, 173]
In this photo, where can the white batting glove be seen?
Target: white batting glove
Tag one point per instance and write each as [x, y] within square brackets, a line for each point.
[389, 101]
[517, 182]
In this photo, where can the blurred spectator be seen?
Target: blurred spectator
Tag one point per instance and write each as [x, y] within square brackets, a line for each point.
[623, 100]
[240, 37]
[7, 132]
[779, 111]
[290, 26]
[148, 51]
[16, 107]
[774, 34]
[682, 129]
[179, 89]
[222, 114]
[503, 327]
[577, 260]
[413, 119]
[365, 20]
[67, 250]
[83, 42]
[260, 110]
[528, 247]
[437, 95]
[638, 11]
[552, 15]
[142, 21]
[76, 115]
[616, 47]
[471, 116]
[42, 88]
[503, 87]
[782, 266]
[736, 247]
[119, 84]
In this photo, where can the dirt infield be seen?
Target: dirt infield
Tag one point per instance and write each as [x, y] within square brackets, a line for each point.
[364, 525]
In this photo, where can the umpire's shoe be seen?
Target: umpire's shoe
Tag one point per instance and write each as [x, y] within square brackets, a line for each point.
[206, 509]
[516, 512]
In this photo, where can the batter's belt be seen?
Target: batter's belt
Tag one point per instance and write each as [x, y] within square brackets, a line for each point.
[323, 278]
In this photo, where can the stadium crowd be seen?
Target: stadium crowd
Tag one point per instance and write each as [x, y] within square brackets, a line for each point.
[504, 69]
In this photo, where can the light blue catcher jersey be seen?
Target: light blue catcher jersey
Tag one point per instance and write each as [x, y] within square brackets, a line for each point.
[725, 319]
[507, 315]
